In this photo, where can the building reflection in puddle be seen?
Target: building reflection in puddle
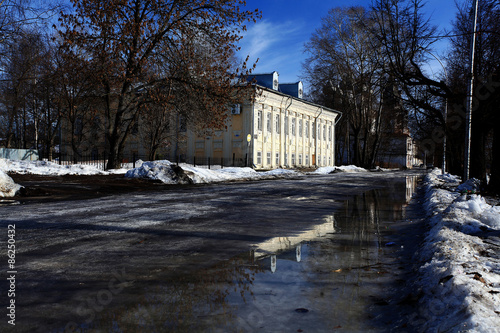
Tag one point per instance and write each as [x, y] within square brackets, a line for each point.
[272, 247]
[319, 280]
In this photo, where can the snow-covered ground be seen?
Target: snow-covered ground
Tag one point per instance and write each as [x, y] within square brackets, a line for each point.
[459, 279]
[52, 169]
[343, 168]
[8, 188]
[168, 173]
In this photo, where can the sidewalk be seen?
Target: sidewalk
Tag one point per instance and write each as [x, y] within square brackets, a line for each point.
[459, 274]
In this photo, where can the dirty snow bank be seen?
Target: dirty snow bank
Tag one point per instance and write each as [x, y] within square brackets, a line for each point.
[343, 168]
[170, 173]
[8, 188]
[460, 280]
[46, 168]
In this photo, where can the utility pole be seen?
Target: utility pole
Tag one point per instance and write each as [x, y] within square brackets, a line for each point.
[469, 104]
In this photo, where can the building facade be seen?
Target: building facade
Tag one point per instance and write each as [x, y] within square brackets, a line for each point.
[277, 128]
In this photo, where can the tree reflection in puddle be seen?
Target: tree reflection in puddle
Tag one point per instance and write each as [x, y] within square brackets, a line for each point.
[197, 302]
[338, 275]
[335, 275]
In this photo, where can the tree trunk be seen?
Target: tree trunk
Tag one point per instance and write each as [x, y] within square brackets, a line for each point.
[494, 185]
[356, 151]
[115, 153]
[478, 153]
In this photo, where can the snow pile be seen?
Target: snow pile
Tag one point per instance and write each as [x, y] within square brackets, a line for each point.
[470, 186]
[8, 188]
[52, 169]
[159, 170]
[170, 173]
[334, 169]
[460, 280]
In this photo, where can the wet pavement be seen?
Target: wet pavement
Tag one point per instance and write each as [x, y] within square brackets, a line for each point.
[315, 254]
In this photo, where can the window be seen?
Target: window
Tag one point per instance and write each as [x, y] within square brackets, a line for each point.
[277, 123]
[300, 159]
[259, 157]
[313, 130]
[307, 159]
[235, 109]
[324, 132]
[294, 121]
[286, 125]
[330, 133]
[300, 127]
[269, 123]
[293, 159]
[259, 120]
[277, 158]
[268, 158]
[307, 129]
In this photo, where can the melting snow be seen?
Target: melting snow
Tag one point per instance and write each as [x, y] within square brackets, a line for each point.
[8, 188]
[343, 168]
[460, 280]
[52, 169]
[459, 276]
[169, 173]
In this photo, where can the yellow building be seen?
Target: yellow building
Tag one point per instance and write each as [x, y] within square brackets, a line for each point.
[276, 129]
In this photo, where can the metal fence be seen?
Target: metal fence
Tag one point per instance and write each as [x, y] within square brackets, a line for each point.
[99, 160]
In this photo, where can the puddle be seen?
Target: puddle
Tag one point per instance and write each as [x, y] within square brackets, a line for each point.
[337, 275]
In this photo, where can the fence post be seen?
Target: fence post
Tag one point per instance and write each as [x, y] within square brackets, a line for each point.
[194, 161]
[233, 158]
[246, 160]
[222, 163]
[209, 163]
[133, 160]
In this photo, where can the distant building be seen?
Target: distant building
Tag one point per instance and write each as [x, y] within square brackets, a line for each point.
[275, 129]
[398, 149]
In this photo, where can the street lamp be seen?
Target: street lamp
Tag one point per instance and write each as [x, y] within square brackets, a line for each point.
[469, 104]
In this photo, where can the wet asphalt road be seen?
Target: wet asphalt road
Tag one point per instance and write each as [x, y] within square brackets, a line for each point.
[209, 258]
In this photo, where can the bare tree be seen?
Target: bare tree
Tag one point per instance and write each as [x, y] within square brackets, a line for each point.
[346, 59]
[123, 41]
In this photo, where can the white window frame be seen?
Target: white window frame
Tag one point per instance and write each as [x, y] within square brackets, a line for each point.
[259, 120]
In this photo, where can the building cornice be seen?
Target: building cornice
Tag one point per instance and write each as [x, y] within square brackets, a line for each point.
[257, 87]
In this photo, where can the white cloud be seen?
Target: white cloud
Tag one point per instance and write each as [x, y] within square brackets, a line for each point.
[277, 45]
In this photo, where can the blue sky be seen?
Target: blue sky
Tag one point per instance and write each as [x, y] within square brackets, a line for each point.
[278, 39]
